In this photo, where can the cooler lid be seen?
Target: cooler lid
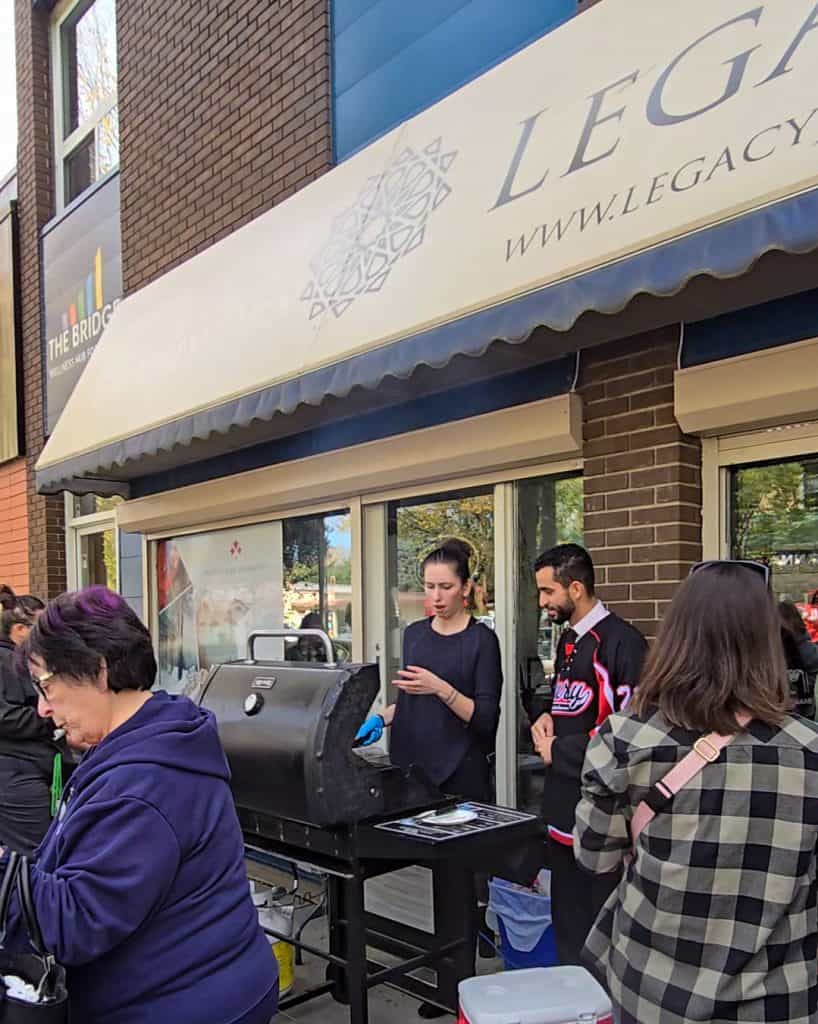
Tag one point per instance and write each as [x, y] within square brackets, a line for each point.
[540, 995]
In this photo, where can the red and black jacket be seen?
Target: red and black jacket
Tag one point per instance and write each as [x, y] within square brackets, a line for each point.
[592, 678]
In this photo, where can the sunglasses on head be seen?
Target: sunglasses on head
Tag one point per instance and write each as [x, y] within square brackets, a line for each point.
[759, 568]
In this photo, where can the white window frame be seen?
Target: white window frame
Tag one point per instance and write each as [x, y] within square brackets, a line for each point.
[64, 147]
[77, 527]
[722, 454]
[368, 536]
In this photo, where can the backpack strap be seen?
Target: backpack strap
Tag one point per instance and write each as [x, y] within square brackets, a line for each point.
[705, 751]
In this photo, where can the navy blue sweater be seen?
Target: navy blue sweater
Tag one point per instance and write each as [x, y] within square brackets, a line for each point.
[140, 884]
[424, 731]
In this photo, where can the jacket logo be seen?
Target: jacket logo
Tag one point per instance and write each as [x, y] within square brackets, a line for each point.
[571, 698]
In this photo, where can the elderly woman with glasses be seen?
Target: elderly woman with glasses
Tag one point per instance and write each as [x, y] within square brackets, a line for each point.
[140, 885]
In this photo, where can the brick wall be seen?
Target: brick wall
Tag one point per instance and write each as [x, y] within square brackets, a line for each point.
[224, 111]
[14, 526]
[35, 207]
[642, 476]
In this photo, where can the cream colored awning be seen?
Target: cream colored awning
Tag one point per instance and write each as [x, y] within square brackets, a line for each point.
[636, 147]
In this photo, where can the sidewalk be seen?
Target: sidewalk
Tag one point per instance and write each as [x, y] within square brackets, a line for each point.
[386, 1005]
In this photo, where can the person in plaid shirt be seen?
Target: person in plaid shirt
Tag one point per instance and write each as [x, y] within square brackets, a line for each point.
[715, 916]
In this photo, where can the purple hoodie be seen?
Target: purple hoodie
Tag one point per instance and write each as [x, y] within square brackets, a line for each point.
[140, 885]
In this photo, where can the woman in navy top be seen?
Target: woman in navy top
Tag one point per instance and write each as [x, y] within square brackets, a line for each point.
[445, 718]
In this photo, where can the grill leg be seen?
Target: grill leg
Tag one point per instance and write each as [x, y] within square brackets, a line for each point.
[455, 903]
[348, 940]
[356, 951]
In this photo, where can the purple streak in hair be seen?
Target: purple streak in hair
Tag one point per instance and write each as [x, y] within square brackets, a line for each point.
[99, 601]
[53, 616]
[95, 602]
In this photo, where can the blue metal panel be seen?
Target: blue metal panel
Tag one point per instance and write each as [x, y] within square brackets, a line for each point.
[387, 29]
[395, 58]
[130, 577]
[345, 12]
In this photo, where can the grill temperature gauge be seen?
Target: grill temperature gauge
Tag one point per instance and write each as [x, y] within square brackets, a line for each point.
[253, 703]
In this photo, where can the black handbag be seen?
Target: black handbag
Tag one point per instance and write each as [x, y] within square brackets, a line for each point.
[39, 968]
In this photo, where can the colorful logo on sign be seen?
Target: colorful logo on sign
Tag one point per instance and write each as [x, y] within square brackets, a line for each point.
[82, 323]
[89, 298]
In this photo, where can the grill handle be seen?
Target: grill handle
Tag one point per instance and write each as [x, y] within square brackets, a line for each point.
[283, 634]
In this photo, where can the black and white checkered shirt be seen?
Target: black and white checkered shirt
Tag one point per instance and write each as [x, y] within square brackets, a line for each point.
[715, 919]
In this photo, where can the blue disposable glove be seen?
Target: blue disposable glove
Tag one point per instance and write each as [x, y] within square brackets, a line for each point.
[370, 732]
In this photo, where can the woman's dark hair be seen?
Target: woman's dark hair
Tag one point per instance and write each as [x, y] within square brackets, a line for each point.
[454, 553]
[17, 610]
[793, 631]
[718, 652]
[791, 620]
[570, 563]
[77, 630]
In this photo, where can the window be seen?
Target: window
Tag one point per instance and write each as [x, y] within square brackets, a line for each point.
[419, 525]
[86, 115]
[215, 588]
[774, 519]
[95, 552]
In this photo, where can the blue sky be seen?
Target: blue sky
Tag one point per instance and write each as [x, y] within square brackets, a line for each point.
[8, 108]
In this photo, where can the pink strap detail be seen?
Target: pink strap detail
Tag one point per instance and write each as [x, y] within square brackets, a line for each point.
[705, 750]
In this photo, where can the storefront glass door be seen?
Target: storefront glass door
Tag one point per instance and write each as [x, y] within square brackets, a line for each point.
[548, 512]
[414, 528]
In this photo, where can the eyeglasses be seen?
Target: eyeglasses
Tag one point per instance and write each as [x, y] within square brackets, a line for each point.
[38, 682]
[757, 567]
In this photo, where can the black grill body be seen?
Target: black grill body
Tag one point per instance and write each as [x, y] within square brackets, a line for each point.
[288, 732]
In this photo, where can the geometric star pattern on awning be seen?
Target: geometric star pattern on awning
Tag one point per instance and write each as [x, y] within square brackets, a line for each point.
[387, 221]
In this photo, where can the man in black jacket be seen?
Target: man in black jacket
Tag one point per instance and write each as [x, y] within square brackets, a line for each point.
[27, 749]
[599, 659]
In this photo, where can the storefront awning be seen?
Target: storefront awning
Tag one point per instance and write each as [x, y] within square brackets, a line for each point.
[639, 146]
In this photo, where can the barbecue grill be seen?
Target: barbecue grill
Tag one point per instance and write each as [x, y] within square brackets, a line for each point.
[304, 794]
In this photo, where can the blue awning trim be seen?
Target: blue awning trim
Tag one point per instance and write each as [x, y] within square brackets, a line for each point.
[544, 380]
[768, 325]
[723, 251]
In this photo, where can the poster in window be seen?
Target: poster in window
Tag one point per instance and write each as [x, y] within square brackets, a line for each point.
[213, 590]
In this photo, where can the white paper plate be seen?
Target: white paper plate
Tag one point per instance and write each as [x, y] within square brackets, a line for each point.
[458, 816]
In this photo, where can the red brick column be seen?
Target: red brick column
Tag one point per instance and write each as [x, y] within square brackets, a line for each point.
[642, 476]
[14, 526]
[35, 207]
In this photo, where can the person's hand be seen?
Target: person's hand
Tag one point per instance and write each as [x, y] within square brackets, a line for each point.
[414, 679]
[545, 750]
[542, 730]
[370, 732]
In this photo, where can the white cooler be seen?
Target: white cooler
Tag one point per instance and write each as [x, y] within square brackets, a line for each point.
[541, 995]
